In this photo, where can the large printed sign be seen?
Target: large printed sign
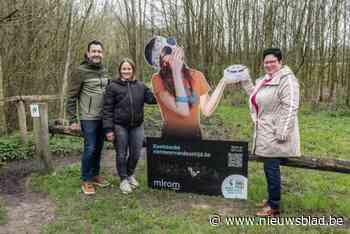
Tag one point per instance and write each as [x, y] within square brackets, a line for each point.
[181, 160]
[198, 166]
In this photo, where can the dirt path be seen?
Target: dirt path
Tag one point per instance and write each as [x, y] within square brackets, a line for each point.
[26, 211]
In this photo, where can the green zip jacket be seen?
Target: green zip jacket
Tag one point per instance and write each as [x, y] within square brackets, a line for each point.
[87, 85]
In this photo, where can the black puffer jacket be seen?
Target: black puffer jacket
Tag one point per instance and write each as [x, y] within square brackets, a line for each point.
[123, 103]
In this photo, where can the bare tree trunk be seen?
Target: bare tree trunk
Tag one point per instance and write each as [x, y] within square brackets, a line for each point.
[188, 31]
[86, 16]
[207, 39]
[142, 14]
[166, 16]
[344, 76]
[256, 38]
[246, 38]
[321, 52]
[235, 28]
[152, 19]
[22, 121]
[68, 58]
[3, 128]
[229, 10]
[134, 33]
[348, 90]
[131, 29]
[333, 68]
[268, 20]
[76, 53]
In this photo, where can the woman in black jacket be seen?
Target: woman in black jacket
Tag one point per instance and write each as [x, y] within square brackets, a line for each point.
[123, 120]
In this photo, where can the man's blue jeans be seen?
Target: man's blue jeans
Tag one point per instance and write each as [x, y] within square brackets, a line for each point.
[273, 178]
[93, 144]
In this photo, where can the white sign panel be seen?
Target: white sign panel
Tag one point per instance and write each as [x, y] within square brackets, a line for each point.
[235, 186]
[34, 110]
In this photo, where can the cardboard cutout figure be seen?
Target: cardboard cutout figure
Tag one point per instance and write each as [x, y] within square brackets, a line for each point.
[181, 92]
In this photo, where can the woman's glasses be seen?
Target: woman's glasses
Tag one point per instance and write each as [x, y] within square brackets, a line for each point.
[270, 61]
[171, 41]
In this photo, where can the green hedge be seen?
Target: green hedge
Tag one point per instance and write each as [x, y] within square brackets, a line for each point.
[11, 147]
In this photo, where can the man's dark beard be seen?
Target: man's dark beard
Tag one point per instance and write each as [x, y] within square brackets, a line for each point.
[91, 62]
[96, 57]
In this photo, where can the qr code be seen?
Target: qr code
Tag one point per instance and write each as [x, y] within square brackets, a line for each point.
[235, 160]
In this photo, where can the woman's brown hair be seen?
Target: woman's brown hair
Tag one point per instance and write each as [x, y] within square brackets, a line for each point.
[132, 64]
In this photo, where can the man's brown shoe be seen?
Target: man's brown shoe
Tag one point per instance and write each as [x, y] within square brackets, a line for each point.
[87, 187]
[263, 203]
[100, 181]
[268, 211]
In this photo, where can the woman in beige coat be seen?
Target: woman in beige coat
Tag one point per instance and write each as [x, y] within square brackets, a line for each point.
[274, 102]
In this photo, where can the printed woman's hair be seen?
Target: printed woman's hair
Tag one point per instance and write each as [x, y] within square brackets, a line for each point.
[148, 51]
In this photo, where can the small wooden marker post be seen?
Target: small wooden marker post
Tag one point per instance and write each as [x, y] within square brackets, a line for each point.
[39, 112]
[21, 112]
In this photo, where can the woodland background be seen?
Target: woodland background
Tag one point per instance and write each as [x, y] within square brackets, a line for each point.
[41, 41]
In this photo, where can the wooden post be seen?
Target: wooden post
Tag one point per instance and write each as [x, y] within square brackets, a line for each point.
[41, 132]
[36, 134]
[21, 112]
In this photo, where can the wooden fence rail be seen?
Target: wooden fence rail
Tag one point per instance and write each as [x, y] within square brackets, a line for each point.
[20, 102]
[32, 98]
[307, 162]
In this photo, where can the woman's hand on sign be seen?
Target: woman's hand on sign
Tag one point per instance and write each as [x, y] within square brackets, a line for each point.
[177, 59]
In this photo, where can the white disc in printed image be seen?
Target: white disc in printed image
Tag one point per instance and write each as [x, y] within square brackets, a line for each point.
[235, 186]
[236, 72]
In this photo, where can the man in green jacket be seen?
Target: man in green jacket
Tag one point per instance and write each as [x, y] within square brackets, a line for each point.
[87, 87]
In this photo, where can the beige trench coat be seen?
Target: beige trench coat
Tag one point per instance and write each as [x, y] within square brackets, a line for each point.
[278, 103]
